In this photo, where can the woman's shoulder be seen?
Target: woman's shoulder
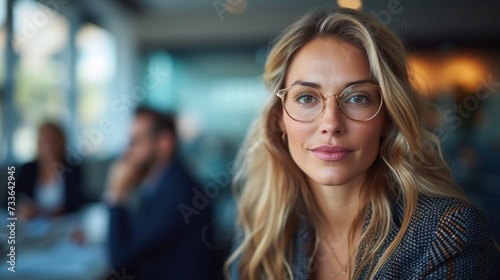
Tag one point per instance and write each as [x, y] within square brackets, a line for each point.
[27, 171]
[448, 216]
[445, 210]
[444, 218]
[434, 211]
[446, 236]
[29, 165]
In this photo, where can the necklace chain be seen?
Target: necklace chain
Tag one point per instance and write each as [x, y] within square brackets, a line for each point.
[344, 268]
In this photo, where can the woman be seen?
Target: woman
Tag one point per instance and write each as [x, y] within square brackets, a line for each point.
[340, 179]
[48, 185]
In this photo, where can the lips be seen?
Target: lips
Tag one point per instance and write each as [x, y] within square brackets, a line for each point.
[331, 153]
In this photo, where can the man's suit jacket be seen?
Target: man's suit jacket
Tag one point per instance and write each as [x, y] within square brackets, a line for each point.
[155, 241]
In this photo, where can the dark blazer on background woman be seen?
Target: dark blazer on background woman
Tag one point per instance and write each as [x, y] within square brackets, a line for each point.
[73, 193]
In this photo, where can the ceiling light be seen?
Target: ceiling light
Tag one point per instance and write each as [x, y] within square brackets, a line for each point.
[352, 4]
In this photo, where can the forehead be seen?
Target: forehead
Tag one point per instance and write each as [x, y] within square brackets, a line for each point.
[328, 62]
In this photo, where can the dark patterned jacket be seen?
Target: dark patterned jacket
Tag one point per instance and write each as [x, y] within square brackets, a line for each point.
[446, 239]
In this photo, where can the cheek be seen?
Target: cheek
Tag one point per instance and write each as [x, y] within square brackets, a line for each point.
[369, 138]
[297, 136]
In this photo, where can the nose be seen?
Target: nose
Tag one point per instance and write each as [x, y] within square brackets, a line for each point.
[332, 120]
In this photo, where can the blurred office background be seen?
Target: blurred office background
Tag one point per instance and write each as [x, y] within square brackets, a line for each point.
[88, 64]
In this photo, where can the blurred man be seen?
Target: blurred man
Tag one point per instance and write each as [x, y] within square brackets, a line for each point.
[150, 238]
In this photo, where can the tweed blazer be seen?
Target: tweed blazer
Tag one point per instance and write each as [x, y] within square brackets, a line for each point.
[446, 239]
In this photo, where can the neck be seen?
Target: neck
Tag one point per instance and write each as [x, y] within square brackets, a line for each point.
[339, 206]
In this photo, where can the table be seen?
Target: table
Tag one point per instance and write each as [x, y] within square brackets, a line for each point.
[46, 247]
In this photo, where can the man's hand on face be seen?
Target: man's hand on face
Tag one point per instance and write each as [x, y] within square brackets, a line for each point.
[124, 175]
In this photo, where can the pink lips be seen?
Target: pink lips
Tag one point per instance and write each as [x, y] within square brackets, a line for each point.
[331, 153]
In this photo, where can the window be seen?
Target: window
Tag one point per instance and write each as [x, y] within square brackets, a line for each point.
[40, 41]
[95, 74]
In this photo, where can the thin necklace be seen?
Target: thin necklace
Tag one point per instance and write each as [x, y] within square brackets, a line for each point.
[344, 268]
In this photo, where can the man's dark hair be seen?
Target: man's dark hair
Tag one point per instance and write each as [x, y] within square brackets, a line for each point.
[162, 122]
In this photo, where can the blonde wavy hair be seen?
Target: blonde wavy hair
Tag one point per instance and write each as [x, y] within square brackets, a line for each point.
[273, 193]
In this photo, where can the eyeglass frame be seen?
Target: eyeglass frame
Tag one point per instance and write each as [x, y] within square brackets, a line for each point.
[282, 92]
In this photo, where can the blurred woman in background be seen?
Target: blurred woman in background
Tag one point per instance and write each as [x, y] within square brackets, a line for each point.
[340, 179]
[48, 186]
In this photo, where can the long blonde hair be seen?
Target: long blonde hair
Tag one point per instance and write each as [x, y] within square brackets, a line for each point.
[273, 192]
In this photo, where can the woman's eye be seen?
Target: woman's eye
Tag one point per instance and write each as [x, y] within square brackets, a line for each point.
[306, 99]
[358, 99]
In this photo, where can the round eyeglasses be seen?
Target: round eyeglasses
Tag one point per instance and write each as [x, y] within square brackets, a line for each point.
[359, 102]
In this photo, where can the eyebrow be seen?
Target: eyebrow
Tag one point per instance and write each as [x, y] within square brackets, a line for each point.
[317, 86]
[359, 82]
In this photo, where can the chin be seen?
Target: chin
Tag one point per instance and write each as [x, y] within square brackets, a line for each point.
[328, 178]
[330, 182]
